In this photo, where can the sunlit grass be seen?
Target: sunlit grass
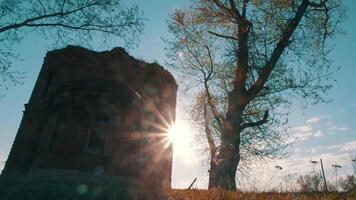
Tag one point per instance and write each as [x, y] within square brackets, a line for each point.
[219, 194]
[114, 191]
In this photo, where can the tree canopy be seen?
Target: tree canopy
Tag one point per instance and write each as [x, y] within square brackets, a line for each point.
[249, 60]
[63, 22]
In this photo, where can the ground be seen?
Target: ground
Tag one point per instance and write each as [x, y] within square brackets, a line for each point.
[225, 195]
[54, 191]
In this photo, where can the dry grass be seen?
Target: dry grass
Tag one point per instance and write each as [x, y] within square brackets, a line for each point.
[61, 191]
[231, 195]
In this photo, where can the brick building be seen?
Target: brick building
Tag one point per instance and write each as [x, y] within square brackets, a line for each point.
[96, 116]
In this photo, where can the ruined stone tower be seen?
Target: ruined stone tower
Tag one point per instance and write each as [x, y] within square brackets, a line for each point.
[96, 116]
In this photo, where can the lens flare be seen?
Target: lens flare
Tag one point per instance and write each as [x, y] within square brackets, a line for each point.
[179, 135]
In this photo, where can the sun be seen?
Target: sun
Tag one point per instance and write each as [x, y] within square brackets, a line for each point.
[173, 133]
[179, 134]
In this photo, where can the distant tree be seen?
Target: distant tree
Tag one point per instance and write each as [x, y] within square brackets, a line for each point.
[348, 183]
[63, 21]
[309, 182]
[247, 60]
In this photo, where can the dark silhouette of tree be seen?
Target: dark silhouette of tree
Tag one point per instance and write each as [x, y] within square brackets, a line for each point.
[249, 59]
[348, 183]
[64, 21]
[310, 182]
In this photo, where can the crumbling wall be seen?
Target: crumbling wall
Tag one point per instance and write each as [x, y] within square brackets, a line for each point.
[82, 98]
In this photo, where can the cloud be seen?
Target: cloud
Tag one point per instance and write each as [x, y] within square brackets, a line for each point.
[305, 132]
[339, 128]
[265, 176]
[314, 149]
[302, 132]
[318, 134]
[343, 128]
[328, 123]
[302, 129]
[317, 119]
[313, 120]
[336, 146]
[302, 164]
[349, 146]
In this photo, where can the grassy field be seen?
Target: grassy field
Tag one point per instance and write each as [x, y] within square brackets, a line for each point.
[54, 191]
[230, 195]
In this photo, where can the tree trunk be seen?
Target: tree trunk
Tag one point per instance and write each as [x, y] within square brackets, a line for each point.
[223, 168]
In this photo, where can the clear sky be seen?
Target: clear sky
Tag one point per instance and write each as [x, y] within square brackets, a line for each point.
[326, 131]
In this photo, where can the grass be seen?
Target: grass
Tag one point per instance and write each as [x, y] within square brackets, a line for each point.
[54, 191]
[232, 195]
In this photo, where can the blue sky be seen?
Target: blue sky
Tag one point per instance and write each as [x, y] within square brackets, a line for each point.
[326, 131]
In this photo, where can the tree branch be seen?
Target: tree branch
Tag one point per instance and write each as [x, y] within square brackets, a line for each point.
[223, 36]
[257, 123]
[278, 50]
[233, 12]
[317, 5]
[43, 7]
[214, 111]
[234, 9]
[82, 28]
[34, 19]
[244, 7]
[208, 132]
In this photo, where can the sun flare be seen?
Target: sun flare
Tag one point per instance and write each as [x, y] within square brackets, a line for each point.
[179, 135]
[173, 133]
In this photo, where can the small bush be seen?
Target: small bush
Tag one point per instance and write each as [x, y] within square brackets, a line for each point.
[348, 183]
[310, 183]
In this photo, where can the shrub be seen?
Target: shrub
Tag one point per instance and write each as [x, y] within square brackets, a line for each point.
[348, 183]
[309, 183]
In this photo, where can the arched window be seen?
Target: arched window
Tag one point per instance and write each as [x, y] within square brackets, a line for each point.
[97, 135]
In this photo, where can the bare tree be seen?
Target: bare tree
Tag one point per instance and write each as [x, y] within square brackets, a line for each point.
[249, 61]
[63, 21]
[310, 182]
[348, 183]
